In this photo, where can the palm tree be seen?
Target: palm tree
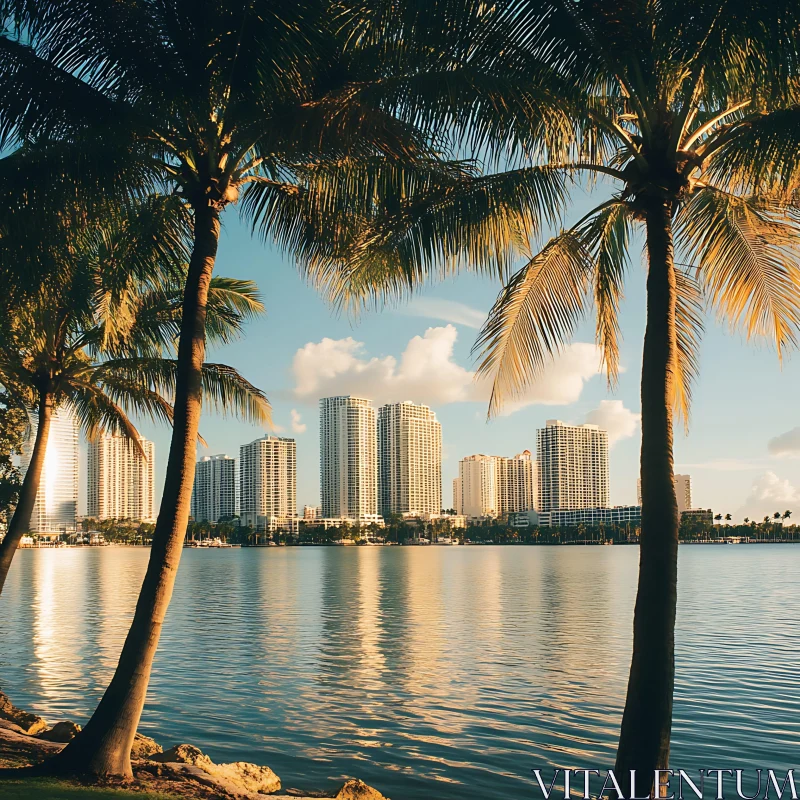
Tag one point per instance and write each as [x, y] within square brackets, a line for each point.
[93, 343]
[204, 100]
[660, 99]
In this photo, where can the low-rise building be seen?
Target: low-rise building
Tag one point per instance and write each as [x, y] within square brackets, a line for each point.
[701, 516]
[572, 517]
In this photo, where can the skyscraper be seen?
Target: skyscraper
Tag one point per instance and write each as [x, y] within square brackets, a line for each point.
[409, 460]
[214, 493]
[478, 484]
[573, 466]
[517, 483]
[268, 481]
[56, 506]
[120, 479]
[491, 486]
[348, 457]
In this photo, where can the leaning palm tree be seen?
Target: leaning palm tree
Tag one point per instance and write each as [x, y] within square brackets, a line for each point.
[662, 101]
[204, 100]
[96, 342]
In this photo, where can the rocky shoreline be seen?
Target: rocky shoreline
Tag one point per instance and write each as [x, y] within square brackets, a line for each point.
[183, 770]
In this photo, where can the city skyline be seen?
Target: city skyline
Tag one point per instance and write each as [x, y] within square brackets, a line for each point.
[299, 357]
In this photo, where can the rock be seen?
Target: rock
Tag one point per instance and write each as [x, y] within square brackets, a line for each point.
[30, 723]
[183, 754]
[250, 777]
[238, 777]
[358, 790]
[60, 732]
[144, 747]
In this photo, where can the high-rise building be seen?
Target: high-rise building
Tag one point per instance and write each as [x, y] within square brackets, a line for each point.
[409, 460]
[120, 478]
[573, 466]
[268, 481]
[517, 483]
[56, 506]
[214, 493]
[348, 457]
[683, 492]
[478, 481]
[492, 486]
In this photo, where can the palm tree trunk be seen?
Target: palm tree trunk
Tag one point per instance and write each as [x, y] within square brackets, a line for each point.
[21, 520]
[104, 746]
[647, 719]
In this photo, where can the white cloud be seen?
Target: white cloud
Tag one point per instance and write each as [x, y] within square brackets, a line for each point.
[768, 494]
[298, 426]
[787, 444]
[446, 310]
[612, 416]
[726, 465]
[427, 373]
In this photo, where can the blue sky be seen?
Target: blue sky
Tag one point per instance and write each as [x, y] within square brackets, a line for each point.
[301, 350]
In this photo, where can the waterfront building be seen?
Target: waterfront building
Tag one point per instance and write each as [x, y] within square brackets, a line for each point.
[572, 517]
[683, 492]
[268, 482]
[56, 506]
[478, 481]
[348, 458]
[214, 493]
[573, 466]
[493, 486]
[312, 512]
[517, 483]
[336, 522]
[409, 460]
[120, 478]
[698, 516]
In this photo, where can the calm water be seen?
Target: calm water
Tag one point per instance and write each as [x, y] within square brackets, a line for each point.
[428, 672]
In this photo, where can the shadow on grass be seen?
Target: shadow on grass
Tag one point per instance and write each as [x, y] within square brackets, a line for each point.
[53, 789]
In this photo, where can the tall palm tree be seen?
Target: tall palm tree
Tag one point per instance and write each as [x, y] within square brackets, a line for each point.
[203, 99]
[665, 104]
[94, 342]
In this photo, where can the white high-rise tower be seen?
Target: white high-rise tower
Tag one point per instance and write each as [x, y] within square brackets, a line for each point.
[268, 481]
[56, 507]
[409, 459]
[491, 486]
[214, 493]
[120, 479]
[348, 457]
[573, 466]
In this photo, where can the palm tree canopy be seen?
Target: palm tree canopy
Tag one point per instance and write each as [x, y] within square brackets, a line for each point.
[640, 102]
[100, 339]
[204, 99]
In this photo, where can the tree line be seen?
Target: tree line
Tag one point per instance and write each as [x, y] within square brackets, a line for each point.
[383, 144]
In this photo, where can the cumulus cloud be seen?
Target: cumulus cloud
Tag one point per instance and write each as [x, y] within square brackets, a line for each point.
[426, 372]
[298, 426]
[787, 444]
[612, 416]
[768, 494]
[446, 310]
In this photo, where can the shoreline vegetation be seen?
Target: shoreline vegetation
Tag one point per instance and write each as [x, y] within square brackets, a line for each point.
[27, 742]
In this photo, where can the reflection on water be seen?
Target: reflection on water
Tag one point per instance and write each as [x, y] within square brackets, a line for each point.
[429, 672]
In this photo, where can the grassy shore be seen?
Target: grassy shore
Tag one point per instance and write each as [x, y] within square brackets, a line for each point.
[53, 789]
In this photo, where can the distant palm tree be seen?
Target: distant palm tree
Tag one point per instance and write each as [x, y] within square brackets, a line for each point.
[97, 342]
[728, 518]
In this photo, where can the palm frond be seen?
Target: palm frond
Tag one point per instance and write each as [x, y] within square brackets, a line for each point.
[533, 317]
[748, 264]
[689, 331]
[605, 236]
